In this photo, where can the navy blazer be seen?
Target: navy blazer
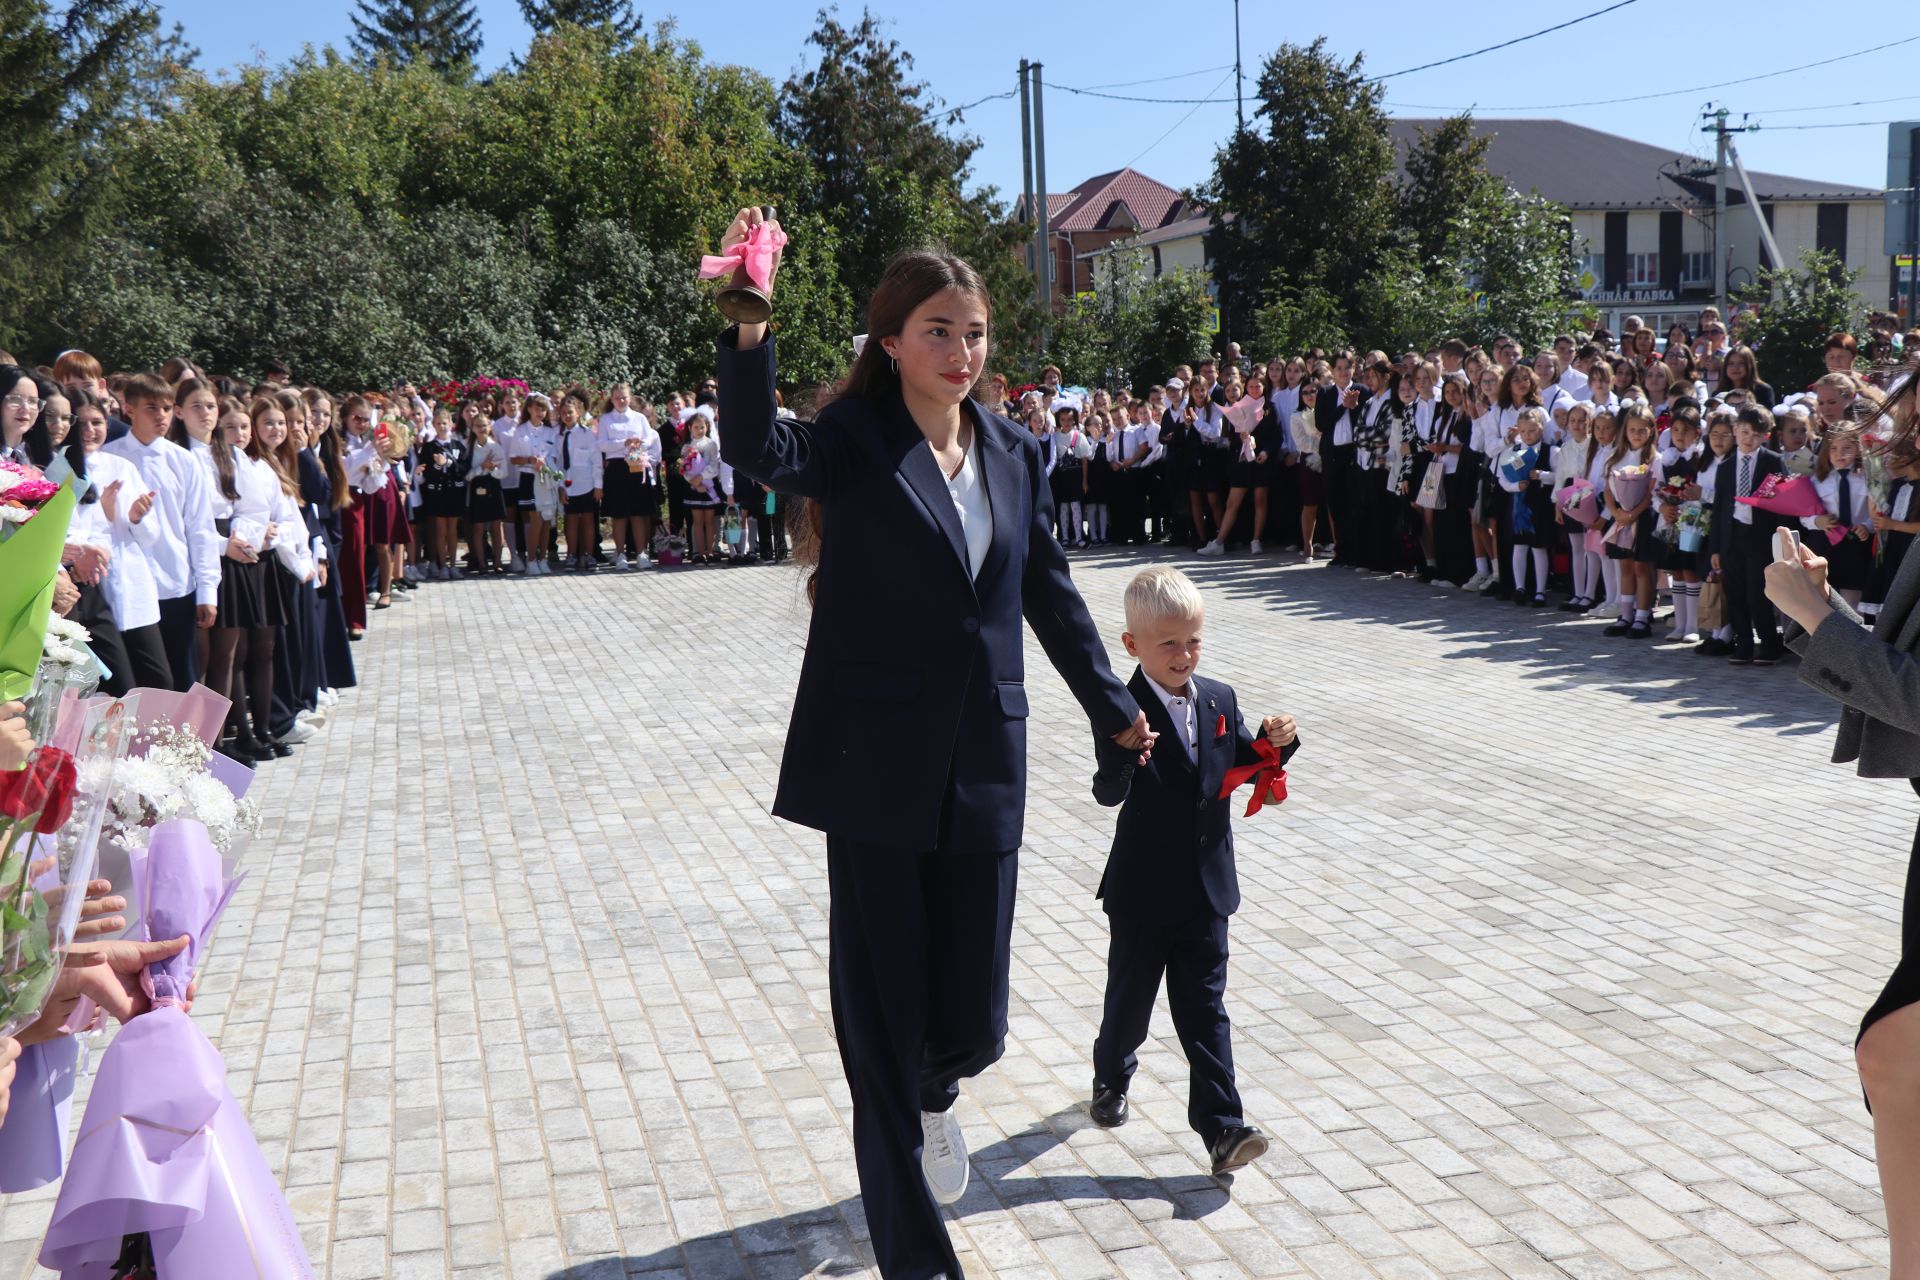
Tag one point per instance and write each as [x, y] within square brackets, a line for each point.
[1766, 462]
[1172, 855]
[909, 727]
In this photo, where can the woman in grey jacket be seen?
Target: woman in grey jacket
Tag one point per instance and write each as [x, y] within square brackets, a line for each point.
[1873, 672]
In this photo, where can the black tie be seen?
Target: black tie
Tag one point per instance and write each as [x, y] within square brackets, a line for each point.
[1846, 498]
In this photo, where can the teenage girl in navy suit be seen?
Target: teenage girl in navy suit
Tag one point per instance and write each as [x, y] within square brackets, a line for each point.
[908, 740]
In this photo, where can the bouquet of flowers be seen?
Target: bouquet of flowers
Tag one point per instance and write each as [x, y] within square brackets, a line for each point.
[50, 818]
[1693, 522]
[1793, 496]
[1629, 485]
[24, 491]
[1578, 500]
[30, 551]
[166, 1179]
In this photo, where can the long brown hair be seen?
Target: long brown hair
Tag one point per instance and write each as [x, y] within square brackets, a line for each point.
[909, 280]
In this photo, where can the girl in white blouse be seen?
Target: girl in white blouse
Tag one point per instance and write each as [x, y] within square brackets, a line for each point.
[120, 516]
[1842, 482]
[486, 497]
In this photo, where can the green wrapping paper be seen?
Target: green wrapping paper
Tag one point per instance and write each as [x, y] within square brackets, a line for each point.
[29, 562]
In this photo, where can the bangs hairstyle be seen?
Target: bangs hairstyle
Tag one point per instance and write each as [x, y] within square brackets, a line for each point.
[910, 279]
[75, 365]
[275, 458]
[1161, 592]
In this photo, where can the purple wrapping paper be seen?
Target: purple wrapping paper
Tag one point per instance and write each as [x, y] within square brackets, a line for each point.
[163, 1147]
[183, 890]
[34, 1138]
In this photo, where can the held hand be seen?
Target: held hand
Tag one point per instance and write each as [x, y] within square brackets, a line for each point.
[1825, 522]
[65, 594]
[1279, 730]
[238, 548]
[1799, 590]
[16, 744]
[1715, 560]
[111, 972]
[1138, 737]
[9, 1053]
[1881, 522]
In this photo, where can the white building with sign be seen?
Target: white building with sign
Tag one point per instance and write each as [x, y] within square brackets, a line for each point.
[1643, 217]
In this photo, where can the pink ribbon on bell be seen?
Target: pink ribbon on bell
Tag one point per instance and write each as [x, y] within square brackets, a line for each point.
[755, 255]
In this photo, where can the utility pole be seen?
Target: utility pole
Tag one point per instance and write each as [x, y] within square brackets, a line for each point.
[1026, 178]
[1045, 261]
[1239, 106]
[1722, 242]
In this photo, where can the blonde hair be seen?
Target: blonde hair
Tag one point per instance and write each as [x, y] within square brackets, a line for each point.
[1161, 592]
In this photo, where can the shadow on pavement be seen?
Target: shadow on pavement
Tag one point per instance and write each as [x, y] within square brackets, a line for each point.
[821, 1241]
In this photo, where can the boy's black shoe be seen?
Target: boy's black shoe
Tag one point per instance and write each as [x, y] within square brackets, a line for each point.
[1713, 648]
[1740, 658]
[1768, 655]
[1236, 1148]
[1109, 1108]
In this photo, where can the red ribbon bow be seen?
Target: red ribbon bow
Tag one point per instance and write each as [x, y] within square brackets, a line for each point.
[1269, 778]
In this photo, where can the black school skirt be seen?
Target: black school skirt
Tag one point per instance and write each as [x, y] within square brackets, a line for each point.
[247, 594]
[1849, 561]
[484, 500]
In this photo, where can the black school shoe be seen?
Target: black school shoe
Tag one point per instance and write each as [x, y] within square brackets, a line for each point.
[1236, 1148]
[1768, 655]
[1109, 1106]
[1619, 628]
[1713, 648]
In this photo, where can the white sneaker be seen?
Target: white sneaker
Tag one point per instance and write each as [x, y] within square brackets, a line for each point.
[302, 731]
[1257, 548]
[943, 1155]
[1476, 582]
[619, 559]
[643, 561]
[1214, 548]
[318, 718]
[518, 563]
[327, 698]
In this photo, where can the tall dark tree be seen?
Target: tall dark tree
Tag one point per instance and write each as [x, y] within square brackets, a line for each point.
[617, 15]
[68, 80]
[1304, 196]
[445, 34]
[1445, 176]
[884, 169]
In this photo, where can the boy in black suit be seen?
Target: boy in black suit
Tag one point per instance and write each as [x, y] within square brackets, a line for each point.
[1170, 882]
[1740, 539]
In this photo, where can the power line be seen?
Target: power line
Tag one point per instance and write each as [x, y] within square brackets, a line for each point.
[1122, 97]
[1177, 123]
[1184, 75]
[1669, 93]
[1831, 106]
[1507, 44]
[1850, 124]
[992, 97]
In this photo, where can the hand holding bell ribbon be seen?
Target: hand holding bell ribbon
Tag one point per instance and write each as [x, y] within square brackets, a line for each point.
[750, 251]
[1269, 777]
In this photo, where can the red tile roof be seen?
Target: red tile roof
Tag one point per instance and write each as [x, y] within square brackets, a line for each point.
[1095, 202]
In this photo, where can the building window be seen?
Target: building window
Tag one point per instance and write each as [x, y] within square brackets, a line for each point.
[1696, 268]
[1643, 270]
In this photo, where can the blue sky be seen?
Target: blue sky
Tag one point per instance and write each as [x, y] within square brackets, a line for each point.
[966, 52]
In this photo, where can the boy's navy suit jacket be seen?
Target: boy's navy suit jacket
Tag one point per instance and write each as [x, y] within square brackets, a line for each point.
[1173, 845]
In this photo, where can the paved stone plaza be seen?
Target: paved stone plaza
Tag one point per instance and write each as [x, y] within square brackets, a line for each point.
[526, 983]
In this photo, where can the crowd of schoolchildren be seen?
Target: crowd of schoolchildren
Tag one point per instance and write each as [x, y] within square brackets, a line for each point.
[240, 534]
[1600, 473]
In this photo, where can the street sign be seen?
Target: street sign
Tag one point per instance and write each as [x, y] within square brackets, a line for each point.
[1901, 139]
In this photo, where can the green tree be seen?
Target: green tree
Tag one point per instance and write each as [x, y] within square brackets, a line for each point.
[68, 81]
[1797, 307]
[1132, 329]
[882, 168]
[616, 15]
[1444, 178]
[1305, 193]
[1298, 319]
[444, 34]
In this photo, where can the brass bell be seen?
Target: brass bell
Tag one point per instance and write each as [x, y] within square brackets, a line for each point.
[741, 300]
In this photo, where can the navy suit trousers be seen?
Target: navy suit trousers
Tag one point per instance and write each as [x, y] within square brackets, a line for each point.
[918, 971]
[1193, 956]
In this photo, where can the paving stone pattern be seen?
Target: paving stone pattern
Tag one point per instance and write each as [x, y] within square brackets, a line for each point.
[527, 983]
